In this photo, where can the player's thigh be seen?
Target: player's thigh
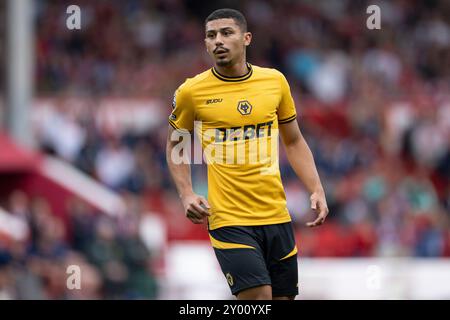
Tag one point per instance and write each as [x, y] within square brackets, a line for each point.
[240, 257]
[243, 268]
[282, 263]
[284, 277]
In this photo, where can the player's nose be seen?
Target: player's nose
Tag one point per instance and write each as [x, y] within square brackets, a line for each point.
[219, 41]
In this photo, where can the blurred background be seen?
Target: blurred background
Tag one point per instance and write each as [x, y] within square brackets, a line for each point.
[83, 178]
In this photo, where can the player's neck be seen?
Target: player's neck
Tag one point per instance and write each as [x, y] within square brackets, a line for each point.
[237, 70]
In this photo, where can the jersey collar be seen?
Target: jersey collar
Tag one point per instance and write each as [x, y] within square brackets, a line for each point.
[233, 79]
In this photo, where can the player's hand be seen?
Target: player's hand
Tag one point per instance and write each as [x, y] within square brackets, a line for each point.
[196, 208]
[318, 204]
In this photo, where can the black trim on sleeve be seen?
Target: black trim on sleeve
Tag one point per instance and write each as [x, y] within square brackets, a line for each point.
[291, 118]
[178, 128]
[173, 125]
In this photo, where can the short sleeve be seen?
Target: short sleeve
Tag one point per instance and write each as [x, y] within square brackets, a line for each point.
[286, 109]
[182, 116]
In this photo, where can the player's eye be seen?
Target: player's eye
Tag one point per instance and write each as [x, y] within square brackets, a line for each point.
[210, 35]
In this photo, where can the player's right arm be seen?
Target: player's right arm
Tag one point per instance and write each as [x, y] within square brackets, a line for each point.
[195, 206]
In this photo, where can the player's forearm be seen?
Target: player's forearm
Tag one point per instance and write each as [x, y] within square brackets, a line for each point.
[181, 174]
[302, 161]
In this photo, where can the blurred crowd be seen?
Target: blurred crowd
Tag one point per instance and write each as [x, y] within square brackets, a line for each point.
[113, 259]
[374, 106]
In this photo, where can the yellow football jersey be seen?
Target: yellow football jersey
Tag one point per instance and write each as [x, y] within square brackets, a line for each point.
[236, 119]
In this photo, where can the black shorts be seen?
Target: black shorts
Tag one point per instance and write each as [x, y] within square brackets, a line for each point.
[252, 256]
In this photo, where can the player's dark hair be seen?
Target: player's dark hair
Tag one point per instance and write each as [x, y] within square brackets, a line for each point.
[226, 13]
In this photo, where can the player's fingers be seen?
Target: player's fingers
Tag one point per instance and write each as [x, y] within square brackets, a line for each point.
[193, 218]
[192, 213]
[323, 210]
[316, 222]
[323, 213]
[205, 205]
[194, 207]
[205, 208]
[205, 202]
[201, 210]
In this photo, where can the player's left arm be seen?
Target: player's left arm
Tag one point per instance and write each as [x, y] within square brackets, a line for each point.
[302, 161]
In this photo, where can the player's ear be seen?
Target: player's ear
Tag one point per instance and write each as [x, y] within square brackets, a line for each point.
[247, 38]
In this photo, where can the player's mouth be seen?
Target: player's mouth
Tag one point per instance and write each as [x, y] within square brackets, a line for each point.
[220, 51]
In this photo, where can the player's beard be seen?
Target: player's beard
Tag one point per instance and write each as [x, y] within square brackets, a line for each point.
[224, 62]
